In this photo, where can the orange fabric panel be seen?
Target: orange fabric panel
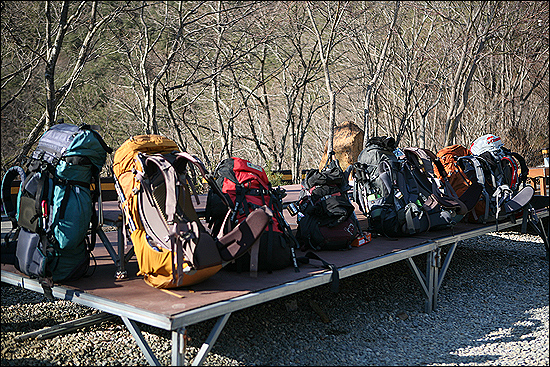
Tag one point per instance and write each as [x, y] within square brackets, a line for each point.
[458, 180]
[156, 267]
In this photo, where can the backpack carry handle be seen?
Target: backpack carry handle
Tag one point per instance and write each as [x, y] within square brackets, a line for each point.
[330, 157]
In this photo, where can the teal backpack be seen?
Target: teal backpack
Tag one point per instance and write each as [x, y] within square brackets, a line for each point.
[54, 217]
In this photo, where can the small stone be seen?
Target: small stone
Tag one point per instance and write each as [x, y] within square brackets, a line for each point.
[291, 305]
[403, 315]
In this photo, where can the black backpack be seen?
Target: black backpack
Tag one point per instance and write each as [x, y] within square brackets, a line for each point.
[54, 219]
[444, 207]
[386, 191]
[503, 176]
[247, 188]
[326, 218]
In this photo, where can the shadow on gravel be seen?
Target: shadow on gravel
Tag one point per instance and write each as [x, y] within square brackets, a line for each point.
[487, 314]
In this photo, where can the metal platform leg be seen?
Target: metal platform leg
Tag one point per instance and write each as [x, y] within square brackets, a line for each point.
[109, 247]
[212, 337]
[121, 239]
[121, 258]
[435, 273]
[66, 327]
[425, 281]
[179, 343]
[443, 271]
[178, 347]
[141, 342]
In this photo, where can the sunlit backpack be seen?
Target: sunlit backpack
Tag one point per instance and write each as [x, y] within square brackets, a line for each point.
[246, 187]
[444, 205]
[507, 167]
[386, 192]
[504, 191]
[155, 183]
[326, 218]
[55, 218]
[457, 178]
[504, 175]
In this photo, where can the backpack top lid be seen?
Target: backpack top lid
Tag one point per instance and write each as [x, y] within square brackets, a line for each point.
[65, 140]
[486, 143]
[330, 175]
[238, 171]
[384, 142]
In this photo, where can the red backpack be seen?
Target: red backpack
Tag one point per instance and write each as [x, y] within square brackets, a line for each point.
[247, 187]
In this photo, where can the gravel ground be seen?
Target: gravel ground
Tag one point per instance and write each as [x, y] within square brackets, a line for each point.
[492, 310]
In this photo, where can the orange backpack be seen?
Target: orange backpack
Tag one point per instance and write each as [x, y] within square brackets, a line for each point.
[458, 179]
[154, 186]
[448, 156]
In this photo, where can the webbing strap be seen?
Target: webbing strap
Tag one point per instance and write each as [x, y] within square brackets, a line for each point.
[487, 204]
[278, 213]
[410, 220]
[385, 175]
[524, 169]
[180, 164]
[124, 205]
[254, 256]
[270, 236]
[334, 278]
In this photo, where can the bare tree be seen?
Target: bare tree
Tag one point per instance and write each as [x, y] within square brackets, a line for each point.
[419, 78]
[150, 58]
[364, 45]
[253, 78]
[332, 20]
[58, 20]
[301, 99]
[477, 30]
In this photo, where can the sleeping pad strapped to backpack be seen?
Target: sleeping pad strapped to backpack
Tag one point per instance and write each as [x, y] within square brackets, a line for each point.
[55, 204]
[326, 218]
[155, 182]
[246, 186]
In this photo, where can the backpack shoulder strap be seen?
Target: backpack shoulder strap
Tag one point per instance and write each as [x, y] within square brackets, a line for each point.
[524, 169]
[9, 177]
[480, 176]
[204, 173]
[169, 174]
[476, 164]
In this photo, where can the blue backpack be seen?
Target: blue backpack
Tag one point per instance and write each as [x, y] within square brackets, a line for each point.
[54, 217]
